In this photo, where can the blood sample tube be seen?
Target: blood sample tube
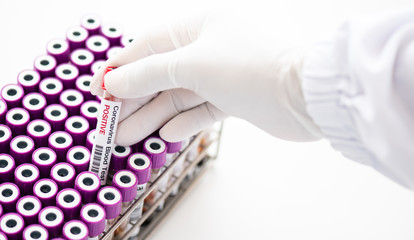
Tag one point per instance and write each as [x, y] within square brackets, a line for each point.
[156, 149]
[126, 182]
[29, 207]
[69, 201]
[52, 219]
[25, 176]
[79, 157]
[17, 119]
[12, 224]
[44, 159]
[67, 74]
[76, 37]
[3, 110]
[51, 88]
[96, 66]
[113, 32]
[56, 115]
[3, 236]
[59, 49]
[7, 166]
[60, 142]
[29, 80]
[35, 232]
[21, 149]
[35, 104]
[126, 40]
[75, 230]
[9, 195]
[98, 45]
[82, 85]
[72, 100]
[64, 175]
[5, 138]
[87, 184]
[91, 23]
[93, 215]
[39, 131]
[45, 190]
[113, 51]
[45, 65]
[78, 127]
[13, 95]
[111, 200]
[119, 158]
[82, 59]
[90, 139]
[89, 110]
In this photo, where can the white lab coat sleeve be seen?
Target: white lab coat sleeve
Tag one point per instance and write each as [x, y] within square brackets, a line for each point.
[358, 84]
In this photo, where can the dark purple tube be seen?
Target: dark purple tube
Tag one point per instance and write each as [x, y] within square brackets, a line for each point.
[12, 224]
[113, 32]
[78, 127]
[67, 74]
[7, 166]
[45, 190]
[96, 66]
[113, 51]
[140, 164]
[93, 215]
[60, 142]
[5, 138]
[29, 80]
[82, 85]
[9, 195]
[91, 23]
[90, 139]
[39, 131]
[173, 147]
[64, 175]
[3, 111]
[98, 45]
[35, 231]
[76, 37]
[126, 182]
[29, 207]
[56, 115]
[25, 176]
[75, 230]
[156, 149]
[17, 119]
[35, 104]
[72, 100]
[82, 59]
[89, 110]
[126, 40]
[13, 95]
[45, 65]
[59, 49]
[87, 184]
[51, 88]
[110, 199]
[69, 201]
[119, 158]
[21, 149]
[79, 157]
[44, 159]
[52, 219]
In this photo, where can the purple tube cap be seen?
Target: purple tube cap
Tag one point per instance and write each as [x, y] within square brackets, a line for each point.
[75, 230]
[7, 166]
[51, 218]
[173, 147]
[12, 230]
[110, 199]
[29, 207]
[46, 190]
[9, 194]
[79, 157]
[93, 215]
[156, 149]
[140, 164]
[126, 182]
[64, 174]
[35, 230]
[88, 184]
[26, 173]
[69, 201]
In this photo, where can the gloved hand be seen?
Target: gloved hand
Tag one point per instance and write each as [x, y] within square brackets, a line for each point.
[200, 71]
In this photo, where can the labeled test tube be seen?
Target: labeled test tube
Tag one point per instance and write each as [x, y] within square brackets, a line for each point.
[89, 110]
[72, 100]
[119, 158]
[25, 176]
[87, 184]
[21, 149]
[52, 219]
[78, 128]
[83, 85]
[5, 138]
[3, 110]
[45, 190]
[12, 225]
[75, 230]
[59, 49]
[64, 175]
[17, 119]
[56, 115]
[51, 88]
[82, 59]
[69, 201]
[9, 195]
[39, 131]
[79, 157]
[113, 32]
[93, 215]
[29, 207]
[92, 23]
[35, 232]
[90, 139]
[13, 95]
[67, 74]
[29, 80]
[45, 65]
[111, 200]
[44, 159]
[98, 45]
[76, 37]
[60, 142]
[7, 167]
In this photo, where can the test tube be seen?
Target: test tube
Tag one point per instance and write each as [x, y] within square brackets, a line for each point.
[3, 110]
[9, 194]
[87, 184]
[76, 36]
[59, 49]
[29, 80]
[12, 225]
[17, 119]
[45, 190]
[52, 219]
[113, 51]
[35, 232]
[25, 176]
[60, 142]
[82, 59]
[69, 201]
[111, 200]
[156, 149]
[51, 88]
[75, 230]
[13, 95]
[39, 131]
[90, 139]
[98, 45]
[29, 207]
[96, 66]
[79, 157]
[83, 85]
[72, 99]
[113, 32]
[7, 166]
[21, 149]
[67, 74]
[126, 40]
[119, 158]
[45, 65]
[64, 175]
[78, 127]
[92, 23]
[56, 115]
[44, 159]
[5, 138]
[93, 215]
[89, 110]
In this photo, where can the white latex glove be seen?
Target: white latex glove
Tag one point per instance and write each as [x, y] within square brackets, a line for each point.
[202, 70]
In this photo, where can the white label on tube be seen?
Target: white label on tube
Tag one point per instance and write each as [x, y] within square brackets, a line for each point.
[137, 213]
[104, 138]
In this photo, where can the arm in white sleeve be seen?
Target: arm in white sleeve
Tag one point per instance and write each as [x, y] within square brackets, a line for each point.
[358, 84]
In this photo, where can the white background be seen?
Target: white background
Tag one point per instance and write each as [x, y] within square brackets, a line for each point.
[260, 187]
